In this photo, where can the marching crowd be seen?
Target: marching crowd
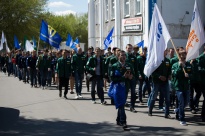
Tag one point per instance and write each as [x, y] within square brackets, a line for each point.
[179, 83]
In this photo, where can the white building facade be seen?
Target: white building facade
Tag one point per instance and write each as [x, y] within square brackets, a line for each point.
[131, 20]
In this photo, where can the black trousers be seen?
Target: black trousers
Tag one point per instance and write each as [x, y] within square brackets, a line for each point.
[63, 82]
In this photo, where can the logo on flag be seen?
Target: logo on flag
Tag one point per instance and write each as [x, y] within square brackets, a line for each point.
[196, 35]
[158, 39]
[49, 35]
[108, 39]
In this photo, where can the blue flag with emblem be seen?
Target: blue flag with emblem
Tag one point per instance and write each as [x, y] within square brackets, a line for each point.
[16, 43]
[141, 46]
[73, 46]
[108, 39]
[49, 35]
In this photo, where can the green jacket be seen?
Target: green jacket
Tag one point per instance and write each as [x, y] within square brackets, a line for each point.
[78, 63]
[180, 82]
[130, 58]
[196, 78]
[92, 63]
[107, 64]
[43, 62]
[141, 64]
[174, 60]
[201, 61]
[121, 69]
[63, 67]
[163, 70]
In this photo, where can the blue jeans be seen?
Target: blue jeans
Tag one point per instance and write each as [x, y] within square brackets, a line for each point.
[164, 90]
[146, 86]
[78, 83]
[183, 100]
[100, 92]
[121, 116]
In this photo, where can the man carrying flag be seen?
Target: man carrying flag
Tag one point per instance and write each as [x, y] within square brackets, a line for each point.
[157, 64]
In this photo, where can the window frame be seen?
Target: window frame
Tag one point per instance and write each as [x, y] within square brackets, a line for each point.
[126, 15]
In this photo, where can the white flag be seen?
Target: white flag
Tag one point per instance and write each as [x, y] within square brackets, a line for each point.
[7, 48]
[158, 39]
[196, 36]
[29, 46]
[2, 41]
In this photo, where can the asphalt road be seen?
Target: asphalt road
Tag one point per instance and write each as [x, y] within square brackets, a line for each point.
[26, 111]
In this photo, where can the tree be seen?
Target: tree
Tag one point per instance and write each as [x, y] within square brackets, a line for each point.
[21, 18]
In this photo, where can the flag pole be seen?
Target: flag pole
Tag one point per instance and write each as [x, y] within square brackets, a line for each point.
[176, 52]
[38, 45]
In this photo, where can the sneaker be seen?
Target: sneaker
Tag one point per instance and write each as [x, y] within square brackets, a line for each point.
[124, 125]
[104, 103]
[76, 97]
[133, 110]
[141, 103]
[80, 96]
[94, 102]
[168, 117]
[71, 92]
[183, 123]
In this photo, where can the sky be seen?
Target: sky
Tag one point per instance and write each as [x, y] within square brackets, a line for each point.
[62, 7]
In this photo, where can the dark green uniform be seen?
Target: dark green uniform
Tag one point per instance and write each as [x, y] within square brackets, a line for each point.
[43, 62]
[63, 67]
[122, 69]
[130, 58]
[78, 63]
[92, 63]
[163, 70]
[180, 82]
[141, 63]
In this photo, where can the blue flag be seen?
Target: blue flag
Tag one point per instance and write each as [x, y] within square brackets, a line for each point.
[69, 41]
[16, 43]
[141, 44]
[49, 35]
[108, 39]
[73, 46]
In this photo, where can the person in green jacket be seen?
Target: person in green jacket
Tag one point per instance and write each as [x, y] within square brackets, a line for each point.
[195, 87]
[160, 78]
[181, 74]
[130, 58]
[63, 68]
[43, 64]
[121, 74]
[78, 67]
[95, 66]
[201, 61]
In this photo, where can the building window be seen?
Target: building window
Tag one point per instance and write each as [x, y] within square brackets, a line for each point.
[138, 7]
[126, 8]
[107, 9]
[113, 9]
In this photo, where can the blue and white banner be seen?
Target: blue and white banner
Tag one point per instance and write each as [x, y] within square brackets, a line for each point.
[108, 39]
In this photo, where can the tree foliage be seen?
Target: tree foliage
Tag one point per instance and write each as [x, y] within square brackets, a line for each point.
[23, 19]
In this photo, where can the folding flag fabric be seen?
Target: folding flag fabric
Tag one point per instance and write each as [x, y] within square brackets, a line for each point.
[141, 46]
[34, 44]
[29, 46]
[7, 48]
[158, 39]
[73, 46]
[49, 35]
[196, 36]
[108, 39]
[2, 41]
[69, 41]
[16, 43]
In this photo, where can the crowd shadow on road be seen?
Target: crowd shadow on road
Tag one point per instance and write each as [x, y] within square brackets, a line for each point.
[55, 127]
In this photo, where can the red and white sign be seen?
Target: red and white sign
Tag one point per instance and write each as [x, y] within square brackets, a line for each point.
[132, 24]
